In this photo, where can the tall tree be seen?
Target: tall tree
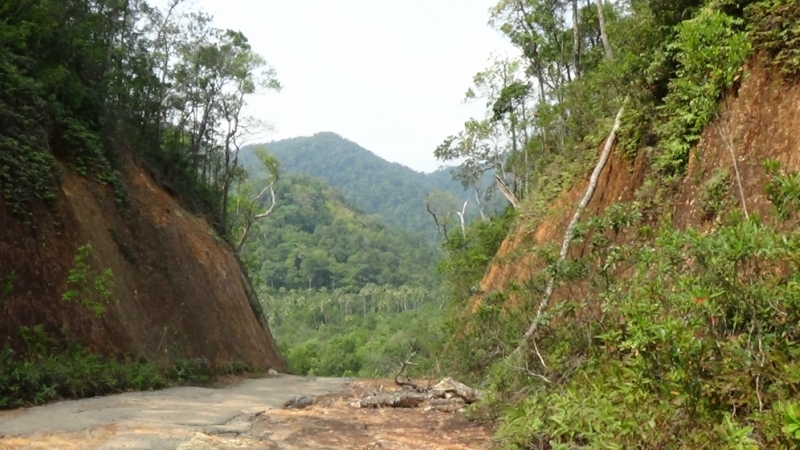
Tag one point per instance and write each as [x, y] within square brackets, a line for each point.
[576, 39]
[601, 16]
[481, 146]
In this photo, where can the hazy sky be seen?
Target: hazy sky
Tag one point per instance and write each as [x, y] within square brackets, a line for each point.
[387, 74]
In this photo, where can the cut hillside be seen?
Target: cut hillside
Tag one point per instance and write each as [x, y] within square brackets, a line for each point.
[653, 304]
[178, 290]
[758, 122]
[116, 271]
[392, 192]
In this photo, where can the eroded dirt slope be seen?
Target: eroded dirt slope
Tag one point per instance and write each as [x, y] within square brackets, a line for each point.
[758, 121]
[179, 292]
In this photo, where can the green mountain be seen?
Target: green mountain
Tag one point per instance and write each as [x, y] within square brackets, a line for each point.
[314, 239]
[392, 192]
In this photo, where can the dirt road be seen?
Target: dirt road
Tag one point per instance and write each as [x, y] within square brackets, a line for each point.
[249, 415]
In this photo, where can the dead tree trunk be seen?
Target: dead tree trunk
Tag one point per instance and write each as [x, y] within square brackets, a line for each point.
[568, 235]
[251, 217]
[461, 217]
[504, 189]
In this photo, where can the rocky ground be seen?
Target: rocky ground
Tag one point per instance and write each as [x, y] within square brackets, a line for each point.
[246, 415]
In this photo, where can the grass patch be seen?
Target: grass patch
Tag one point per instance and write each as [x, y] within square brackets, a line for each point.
[50, 373]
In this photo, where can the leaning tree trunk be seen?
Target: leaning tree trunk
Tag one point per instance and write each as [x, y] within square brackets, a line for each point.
[506, 191]
[551, 283]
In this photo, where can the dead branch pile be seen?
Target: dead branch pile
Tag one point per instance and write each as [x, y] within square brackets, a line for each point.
[448, 395]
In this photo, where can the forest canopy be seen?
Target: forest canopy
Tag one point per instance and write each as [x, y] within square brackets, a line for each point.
[90, 82]
[393, 193]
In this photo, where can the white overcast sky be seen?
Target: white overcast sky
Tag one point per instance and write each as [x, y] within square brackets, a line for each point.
[387, 74]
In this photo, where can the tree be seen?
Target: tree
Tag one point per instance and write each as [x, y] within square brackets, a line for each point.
[603, 34]
[576, 39]
[246, 212]
[441, 205]
[481, 148]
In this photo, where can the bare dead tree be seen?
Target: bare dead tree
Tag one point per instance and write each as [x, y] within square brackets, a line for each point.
[506, 191]
[250, 215]
[480, 204]
[461, 218]
[442, 221]
[728, 140]
[401, 378]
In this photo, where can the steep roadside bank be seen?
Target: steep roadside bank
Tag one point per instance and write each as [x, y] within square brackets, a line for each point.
[757, 122]
[178, 290]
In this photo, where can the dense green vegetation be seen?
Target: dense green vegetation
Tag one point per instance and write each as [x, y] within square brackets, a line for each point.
[313, 239]
[89, 82]
[695, 348]
[393, 193]
[55, 371]
[665, 339]
[366, 333]
[344, 294]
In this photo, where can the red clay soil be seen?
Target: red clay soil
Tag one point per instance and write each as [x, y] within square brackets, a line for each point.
[759, 121]
[179, 291]
[332, 423]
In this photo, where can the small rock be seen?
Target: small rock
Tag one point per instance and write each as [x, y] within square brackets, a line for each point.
[299, 402]
[272, 373]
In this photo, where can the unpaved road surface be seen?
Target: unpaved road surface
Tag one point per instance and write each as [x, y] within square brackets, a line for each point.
[249, 415]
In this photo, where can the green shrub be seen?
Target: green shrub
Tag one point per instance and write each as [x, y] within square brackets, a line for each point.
[91, 289]
[714, 192]
[49, 372]
[191, 370]
[710, 50]
[774, 26]
[783, 190]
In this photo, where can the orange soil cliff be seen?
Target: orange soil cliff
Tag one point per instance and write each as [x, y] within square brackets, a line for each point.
[179, 291]
[760, 121]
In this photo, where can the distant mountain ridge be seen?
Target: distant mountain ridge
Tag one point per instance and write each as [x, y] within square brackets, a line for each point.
[391, 191]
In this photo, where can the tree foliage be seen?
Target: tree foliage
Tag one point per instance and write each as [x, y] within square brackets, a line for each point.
[315, 239]
[85, 82]
[392, 193]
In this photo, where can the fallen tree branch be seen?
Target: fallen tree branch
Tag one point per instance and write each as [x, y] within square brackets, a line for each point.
[587, 197]
[447, 395]
[449, 386]
[407, 383]
[396, 400]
